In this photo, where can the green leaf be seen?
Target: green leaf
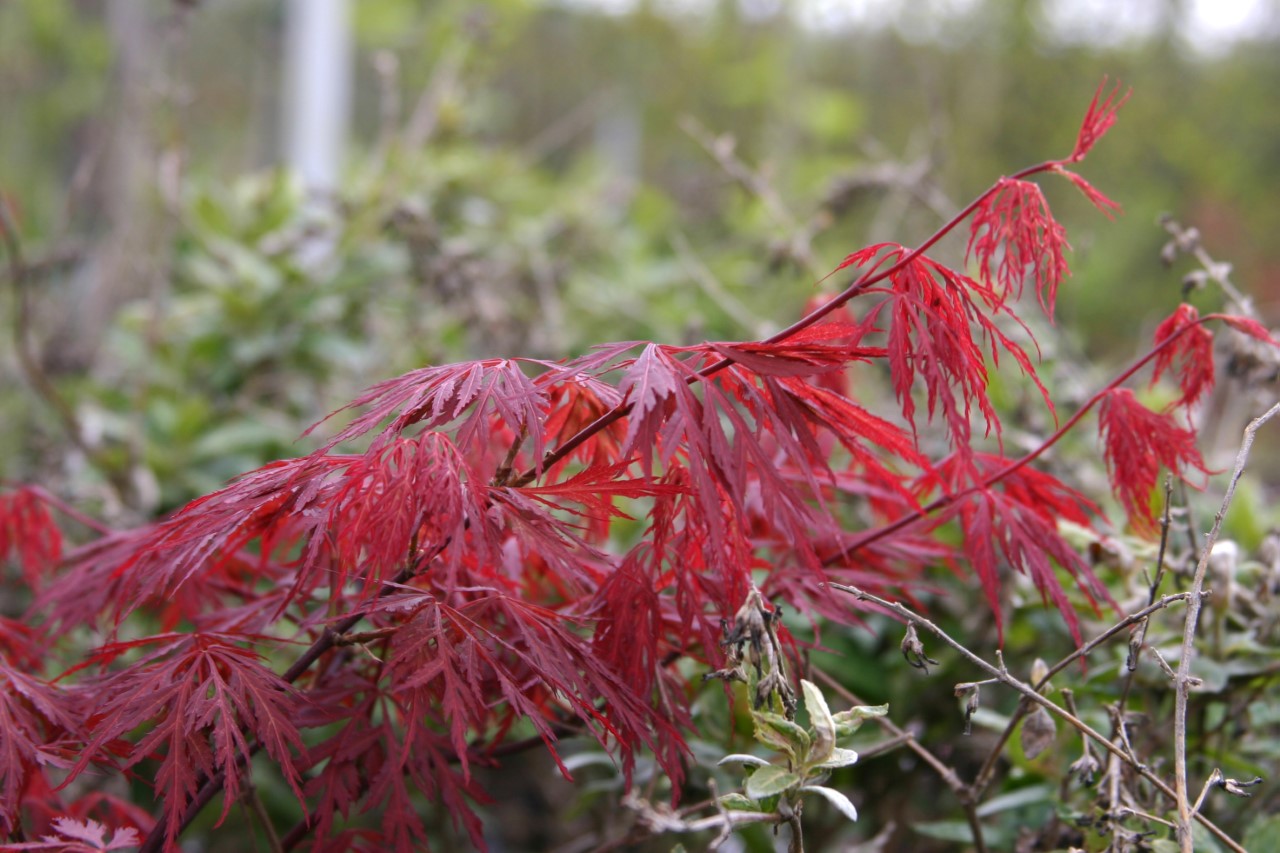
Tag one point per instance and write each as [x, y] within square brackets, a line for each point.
[770, 780]
[821, 721]
[1016, 799]
[739, 803]
[839, 757]
[1038, 733]
[947, 830]
[778, 732]
[848, 722]
[837, 799]
[1263, 835]
[742, 758]
[1206, 843]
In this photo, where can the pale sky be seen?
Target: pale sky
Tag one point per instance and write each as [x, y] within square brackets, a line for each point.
[1213, 25]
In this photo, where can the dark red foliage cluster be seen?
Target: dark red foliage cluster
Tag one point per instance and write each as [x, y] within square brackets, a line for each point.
[526, 548]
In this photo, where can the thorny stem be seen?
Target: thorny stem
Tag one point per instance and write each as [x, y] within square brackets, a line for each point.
[1030, 693]
[1184, 681]
[212, 784]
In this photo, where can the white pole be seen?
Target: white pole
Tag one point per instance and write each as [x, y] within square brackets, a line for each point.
[317, 90]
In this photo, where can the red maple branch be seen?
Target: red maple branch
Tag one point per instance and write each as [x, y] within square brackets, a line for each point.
[861, 284]
[872, 536]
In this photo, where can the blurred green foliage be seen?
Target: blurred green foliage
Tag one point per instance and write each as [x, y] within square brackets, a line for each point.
[560, 199]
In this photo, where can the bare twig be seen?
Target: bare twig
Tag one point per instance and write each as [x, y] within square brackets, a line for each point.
[1184, 681]
[987, 772]
[28, 358]
[1219, 272]
[721, 149]
[707, 281]
[949, 777]
[1031, 694]
[660, 818]
[444, 80]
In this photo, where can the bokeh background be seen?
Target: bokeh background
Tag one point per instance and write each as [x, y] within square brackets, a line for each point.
[249, 208]
[234, 215]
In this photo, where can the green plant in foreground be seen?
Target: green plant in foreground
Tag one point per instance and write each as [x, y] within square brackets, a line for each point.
[811, 754]
[805, 756]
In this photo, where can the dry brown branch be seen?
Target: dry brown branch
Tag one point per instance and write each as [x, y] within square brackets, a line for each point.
[1184, 682]
[1028, 692]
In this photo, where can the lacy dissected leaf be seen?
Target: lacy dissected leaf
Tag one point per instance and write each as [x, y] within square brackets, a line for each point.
[205, 697]
[1009, 516]
[587, 368]
[1188, 355]
[29, 533]
[1098, 119]
[74, 836]
[36, 720]
[435, 396]
[1136, 442]
[102, 579]
[808, 352]
[277, 504]
[573, 405]
[629, 615]
[539, 548]
[933, 311]
[327, 517]
[42, 808]
[92, 583]
[652, 385]
[1108, 207]
[857, 429]
[1248, 326]
[594, 489]
[637, 628]
[706, 561]
[1013, 233]
[370, 766]
[457, 664]
[589, 495]
[711, 442]
[736, 457]
[21, 644]
[409, 493]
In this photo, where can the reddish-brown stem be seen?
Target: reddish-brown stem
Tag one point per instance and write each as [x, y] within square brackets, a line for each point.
[71, 512]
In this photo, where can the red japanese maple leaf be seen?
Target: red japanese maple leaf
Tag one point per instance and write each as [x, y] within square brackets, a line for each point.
[1136, 443]
[1189, 355]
